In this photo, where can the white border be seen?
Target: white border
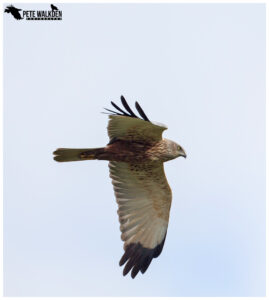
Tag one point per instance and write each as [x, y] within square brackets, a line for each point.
[266, 2]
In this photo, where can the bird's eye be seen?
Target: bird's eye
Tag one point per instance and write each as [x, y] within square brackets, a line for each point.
[178, 147]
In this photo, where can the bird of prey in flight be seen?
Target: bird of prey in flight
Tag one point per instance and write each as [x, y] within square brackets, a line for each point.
[136, 153]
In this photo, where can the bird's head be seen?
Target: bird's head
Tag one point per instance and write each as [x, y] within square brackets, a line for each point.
[180, 151]
[174, 150]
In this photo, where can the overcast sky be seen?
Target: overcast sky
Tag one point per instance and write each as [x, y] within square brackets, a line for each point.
[199, 69]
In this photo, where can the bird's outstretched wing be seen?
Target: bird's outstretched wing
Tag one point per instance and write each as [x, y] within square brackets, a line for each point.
[144, 199]
[126, 125]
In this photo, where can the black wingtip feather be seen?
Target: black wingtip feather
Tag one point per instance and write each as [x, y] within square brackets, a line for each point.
[138, 258]
[128, 253]
[134, 271]
[112, 111]
[129, 113]
[127, 107]
[118, 108]
[141, 112]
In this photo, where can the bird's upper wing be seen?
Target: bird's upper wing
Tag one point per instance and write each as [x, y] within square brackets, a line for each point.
[144, 199]
[127, 126]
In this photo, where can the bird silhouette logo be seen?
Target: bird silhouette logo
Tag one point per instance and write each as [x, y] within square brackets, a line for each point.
[14, 11]
[50, 14]
[53, 7]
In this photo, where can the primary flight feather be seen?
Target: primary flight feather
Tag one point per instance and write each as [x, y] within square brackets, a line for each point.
[136, 153]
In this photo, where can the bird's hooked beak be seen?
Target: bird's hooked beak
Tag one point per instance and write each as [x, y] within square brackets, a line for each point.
[182, 153]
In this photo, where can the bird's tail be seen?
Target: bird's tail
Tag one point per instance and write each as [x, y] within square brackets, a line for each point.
[66, 154]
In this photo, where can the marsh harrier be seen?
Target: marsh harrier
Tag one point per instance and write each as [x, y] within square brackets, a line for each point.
[136, 153]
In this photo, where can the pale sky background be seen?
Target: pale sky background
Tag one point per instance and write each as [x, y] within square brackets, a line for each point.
[199, 69]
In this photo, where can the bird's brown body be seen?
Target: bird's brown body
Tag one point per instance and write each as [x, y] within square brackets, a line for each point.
[130, 151]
